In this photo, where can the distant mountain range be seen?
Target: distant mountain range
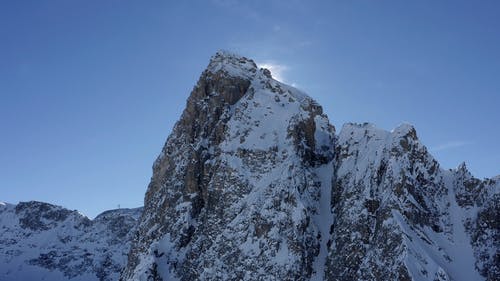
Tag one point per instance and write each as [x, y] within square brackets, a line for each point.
[40, 241]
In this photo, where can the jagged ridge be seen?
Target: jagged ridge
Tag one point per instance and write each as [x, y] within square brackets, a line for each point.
[40, 241]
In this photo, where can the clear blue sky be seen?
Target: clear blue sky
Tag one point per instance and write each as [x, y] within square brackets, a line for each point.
[90, 89]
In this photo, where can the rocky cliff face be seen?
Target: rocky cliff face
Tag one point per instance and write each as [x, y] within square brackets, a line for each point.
[399, 216]
[235, 192]
[40, 241]
[479, 205]
[253, 184]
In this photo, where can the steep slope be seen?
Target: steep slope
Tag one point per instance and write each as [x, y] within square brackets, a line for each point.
[40, 241]
[235, 193]
[399, 216]
[477, 206]
[253, 184]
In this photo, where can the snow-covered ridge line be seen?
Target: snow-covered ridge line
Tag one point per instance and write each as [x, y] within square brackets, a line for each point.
[135, 212]
[41, 241]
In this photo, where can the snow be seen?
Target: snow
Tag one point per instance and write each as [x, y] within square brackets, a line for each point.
[259, 162]
[323, 219]
[261, 119]
[367, 143]
[167, 248]
[403, 129]
[447, 255]
[433, 259]
[460, 249]
[232, 64]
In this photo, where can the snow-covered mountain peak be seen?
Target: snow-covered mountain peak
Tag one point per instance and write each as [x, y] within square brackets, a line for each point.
[227, 175]
[134, 213]
[372, 143]
[462, 170]
[356, 131]
[39, 207]
[232, 64]
[229, 76]
[6, 207]
[40, 216]
[404, 130]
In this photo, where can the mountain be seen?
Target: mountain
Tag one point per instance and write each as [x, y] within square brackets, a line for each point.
[399, 216]
[254, 184]
[235, 192]
[40, 241]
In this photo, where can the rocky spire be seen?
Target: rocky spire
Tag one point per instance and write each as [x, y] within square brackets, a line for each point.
[214, 190]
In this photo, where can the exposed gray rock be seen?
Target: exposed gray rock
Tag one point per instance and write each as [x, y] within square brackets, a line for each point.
[231, 195]
[480, 200]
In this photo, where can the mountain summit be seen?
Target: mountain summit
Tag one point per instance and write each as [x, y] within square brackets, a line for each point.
[254, 184]
[235, 191]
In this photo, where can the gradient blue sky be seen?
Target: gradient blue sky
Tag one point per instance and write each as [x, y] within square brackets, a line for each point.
[90, 89]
